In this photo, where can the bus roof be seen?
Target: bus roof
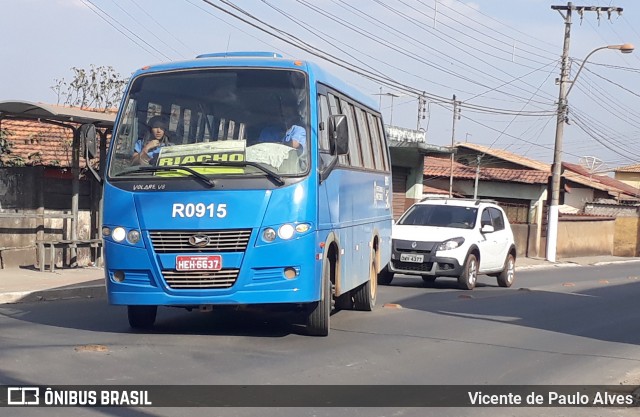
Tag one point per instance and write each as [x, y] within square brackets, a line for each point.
[264, 60]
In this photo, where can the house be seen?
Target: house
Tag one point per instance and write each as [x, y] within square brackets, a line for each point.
[44, 196]
[520, 185]
[629, 174]
[37, 143]
[407, 149]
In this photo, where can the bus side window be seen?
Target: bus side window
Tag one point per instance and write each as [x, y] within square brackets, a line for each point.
[385, 152]
[323, 115]
[365, 141]
[354, 144]
[376, 142]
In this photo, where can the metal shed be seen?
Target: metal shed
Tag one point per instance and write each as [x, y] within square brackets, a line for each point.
[70, 118]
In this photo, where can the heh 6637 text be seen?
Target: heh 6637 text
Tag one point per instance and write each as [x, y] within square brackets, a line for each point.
[199, 210]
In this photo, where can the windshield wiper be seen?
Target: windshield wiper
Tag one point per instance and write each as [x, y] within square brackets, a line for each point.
[203, 178]
[271, 174]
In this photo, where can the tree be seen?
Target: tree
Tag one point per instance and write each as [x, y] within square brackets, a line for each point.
[6, 159]
[99, 88]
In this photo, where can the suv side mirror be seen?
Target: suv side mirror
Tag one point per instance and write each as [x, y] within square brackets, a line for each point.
[487, 228]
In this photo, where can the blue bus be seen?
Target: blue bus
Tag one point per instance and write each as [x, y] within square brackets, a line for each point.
[245, 179]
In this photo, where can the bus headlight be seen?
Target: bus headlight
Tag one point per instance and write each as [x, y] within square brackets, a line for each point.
[133, 236]
[303, 227]
[119, 234]
[106, 231]
[286, 231]
[269, 235]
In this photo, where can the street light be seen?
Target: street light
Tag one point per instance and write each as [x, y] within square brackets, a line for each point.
[556, 173]
[625, 48]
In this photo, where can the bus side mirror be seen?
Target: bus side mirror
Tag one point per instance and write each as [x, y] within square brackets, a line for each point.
[88, 137]
[338, 134]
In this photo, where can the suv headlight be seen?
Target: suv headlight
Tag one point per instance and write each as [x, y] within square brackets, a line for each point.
[451, 243]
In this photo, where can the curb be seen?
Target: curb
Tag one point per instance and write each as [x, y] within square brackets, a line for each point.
[615, 262]
[88, 291]
[546, 266]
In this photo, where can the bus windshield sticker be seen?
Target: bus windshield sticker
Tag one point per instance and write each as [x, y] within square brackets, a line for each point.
[219, 151]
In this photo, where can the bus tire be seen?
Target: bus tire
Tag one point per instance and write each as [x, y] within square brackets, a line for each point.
[142, 317]
[364, 297]
[318, 317]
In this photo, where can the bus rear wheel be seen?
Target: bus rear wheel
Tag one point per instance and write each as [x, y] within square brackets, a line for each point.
[364, 297]
[142, 317]
[318, 318]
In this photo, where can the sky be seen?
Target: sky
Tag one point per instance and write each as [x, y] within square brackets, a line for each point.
[499, 58]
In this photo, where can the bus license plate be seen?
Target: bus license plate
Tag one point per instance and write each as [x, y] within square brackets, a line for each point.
[199, 263]
[411, 257]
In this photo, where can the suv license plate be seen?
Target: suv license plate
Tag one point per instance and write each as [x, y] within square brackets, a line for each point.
[199, 263]
[411, 257]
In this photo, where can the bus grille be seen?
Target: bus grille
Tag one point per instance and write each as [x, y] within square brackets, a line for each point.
[410, 266]
[225, 278]
[168, 241]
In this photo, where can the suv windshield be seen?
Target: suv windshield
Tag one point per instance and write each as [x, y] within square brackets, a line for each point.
[440, 216]
[218, 122]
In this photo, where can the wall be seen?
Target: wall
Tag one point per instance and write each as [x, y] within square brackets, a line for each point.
[26, 192]
[524, 236]
[631, 178]
[627, 226]
[585, 237]
[578, 197]
[627, 230]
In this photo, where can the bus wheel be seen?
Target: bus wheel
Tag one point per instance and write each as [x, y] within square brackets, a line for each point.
[142, 317]
[364, 297]
[318, 318]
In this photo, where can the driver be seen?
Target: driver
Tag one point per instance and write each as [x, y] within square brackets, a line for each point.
[291, 133]
[146, 151]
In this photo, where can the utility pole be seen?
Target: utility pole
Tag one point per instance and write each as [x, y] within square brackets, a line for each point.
[456, 116]
[422, 103]
[561, 117]
[475, 187]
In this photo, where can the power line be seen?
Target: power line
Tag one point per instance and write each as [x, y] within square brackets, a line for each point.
[162, 26]
[419, 44]
[93, 7]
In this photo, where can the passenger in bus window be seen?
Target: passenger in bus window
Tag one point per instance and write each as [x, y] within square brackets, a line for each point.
[147, 149]
[290, 133]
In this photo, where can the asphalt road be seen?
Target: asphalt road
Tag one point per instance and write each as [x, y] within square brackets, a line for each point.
[577, 326]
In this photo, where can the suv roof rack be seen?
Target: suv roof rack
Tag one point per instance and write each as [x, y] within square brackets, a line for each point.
[476, 200]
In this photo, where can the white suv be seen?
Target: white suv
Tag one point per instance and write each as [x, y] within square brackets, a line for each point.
[449, 237]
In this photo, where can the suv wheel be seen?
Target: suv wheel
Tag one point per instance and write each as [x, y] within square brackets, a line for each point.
[429, 279]
[506, 277]
[467, 280]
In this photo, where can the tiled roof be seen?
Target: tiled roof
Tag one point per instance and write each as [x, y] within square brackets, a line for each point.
[635, 168]
[39, 143]
[507, 156]
[574, 174]
[441, 167]
[613, 185]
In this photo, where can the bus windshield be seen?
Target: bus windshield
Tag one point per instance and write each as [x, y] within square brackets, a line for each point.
[218, 122]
